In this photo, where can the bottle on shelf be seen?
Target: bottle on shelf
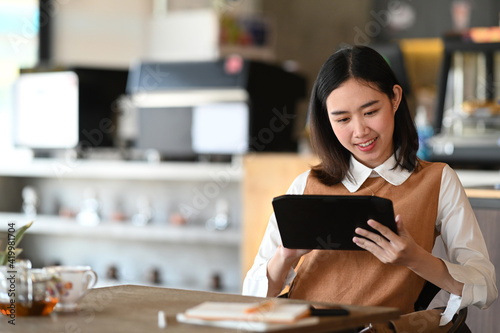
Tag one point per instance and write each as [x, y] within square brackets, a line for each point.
[425, 132]
[30, 201]
[89, 212]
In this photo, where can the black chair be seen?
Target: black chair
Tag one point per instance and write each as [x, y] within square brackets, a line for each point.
[427, 295]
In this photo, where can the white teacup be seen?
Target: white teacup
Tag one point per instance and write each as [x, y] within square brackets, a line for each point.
[75, 281]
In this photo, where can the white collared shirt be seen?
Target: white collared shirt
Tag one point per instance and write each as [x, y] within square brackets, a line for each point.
[468, 261]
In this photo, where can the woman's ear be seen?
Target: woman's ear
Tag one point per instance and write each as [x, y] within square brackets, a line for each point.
[398, 94]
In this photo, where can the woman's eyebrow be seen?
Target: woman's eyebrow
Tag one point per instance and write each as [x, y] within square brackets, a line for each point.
[367, 104]
[338, 112]
[370, 103]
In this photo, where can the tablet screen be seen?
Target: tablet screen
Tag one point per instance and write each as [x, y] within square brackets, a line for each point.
[328, 221]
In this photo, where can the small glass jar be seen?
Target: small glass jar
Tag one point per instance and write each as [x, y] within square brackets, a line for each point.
[26, 291]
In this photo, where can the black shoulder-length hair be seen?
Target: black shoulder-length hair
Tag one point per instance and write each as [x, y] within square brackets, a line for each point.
[366, 65]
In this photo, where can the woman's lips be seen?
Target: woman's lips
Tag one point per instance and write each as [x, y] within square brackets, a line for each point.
[367, 145]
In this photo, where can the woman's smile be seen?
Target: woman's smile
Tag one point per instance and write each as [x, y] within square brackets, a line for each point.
[367, 145]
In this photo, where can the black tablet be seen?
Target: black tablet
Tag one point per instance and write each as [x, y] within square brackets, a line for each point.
[328, 221]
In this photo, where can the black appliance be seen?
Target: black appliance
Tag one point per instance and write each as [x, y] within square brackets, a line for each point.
[223, 107]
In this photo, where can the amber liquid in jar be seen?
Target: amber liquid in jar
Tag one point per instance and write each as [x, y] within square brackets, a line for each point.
[38, 308]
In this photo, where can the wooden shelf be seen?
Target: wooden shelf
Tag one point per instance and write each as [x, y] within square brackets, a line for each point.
[67, 227]
[482, 193]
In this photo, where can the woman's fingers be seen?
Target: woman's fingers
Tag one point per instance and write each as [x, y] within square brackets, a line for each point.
[387, 247]
[388, 234]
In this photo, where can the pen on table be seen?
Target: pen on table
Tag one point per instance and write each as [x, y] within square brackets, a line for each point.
[162, 321]
[262, 306]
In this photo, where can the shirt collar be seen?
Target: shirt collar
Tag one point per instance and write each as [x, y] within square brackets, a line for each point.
[360, 173]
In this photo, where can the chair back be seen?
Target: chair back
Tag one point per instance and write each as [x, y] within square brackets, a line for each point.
[426, 296]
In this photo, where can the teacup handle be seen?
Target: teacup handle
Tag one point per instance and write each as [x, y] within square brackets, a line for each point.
[91, 277]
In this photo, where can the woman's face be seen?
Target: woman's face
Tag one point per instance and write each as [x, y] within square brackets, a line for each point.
[362, 118]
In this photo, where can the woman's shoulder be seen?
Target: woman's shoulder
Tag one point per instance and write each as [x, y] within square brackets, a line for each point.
[426, 165]
[436, 168]
[441, 170]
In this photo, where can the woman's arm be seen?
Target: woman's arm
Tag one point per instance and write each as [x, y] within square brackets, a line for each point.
[272, 268]
[279, 267]
[256, 281]
[468, 259]
[435, 271]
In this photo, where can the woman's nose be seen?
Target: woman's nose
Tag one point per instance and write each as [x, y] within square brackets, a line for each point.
[360, 129]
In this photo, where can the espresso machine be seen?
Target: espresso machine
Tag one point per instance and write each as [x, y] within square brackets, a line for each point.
[467, 118]
[221, 108]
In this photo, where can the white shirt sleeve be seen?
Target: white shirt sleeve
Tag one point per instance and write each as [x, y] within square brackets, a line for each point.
[255, 283]
[468, 260]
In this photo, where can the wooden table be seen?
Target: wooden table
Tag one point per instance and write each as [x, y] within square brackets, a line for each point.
[131, 308]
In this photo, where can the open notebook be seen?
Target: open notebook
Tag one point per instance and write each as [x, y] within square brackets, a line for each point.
[236, 316]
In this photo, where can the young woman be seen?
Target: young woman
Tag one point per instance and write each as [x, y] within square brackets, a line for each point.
[363, 133]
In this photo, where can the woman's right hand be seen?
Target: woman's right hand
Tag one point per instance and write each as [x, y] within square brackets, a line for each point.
[292, 255]
[279, 266]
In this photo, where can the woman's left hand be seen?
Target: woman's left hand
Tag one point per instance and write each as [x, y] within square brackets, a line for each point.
[397, 249]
